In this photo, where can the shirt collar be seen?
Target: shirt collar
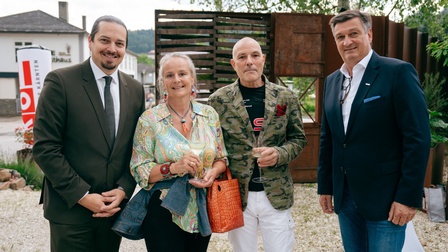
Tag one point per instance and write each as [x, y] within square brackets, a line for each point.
[197, 110]
[363, 63]
[99, 74]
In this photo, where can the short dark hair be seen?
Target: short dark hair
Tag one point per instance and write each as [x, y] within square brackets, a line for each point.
[109, 19]
[342, 17]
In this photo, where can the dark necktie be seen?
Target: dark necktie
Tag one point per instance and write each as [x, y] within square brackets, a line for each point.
[109, 108]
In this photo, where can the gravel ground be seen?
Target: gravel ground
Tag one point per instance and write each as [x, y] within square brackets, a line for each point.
[24, 229]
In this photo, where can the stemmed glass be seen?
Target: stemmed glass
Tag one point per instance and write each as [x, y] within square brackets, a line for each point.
[197, 145]
[256, 153]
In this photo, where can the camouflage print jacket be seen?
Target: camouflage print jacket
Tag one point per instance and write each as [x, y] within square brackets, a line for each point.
[282, 128]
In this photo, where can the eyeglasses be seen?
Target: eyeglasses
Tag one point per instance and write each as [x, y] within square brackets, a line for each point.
[345, 90]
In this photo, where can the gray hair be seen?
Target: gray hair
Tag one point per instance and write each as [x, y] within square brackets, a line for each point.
[162, 63]
[342, 17]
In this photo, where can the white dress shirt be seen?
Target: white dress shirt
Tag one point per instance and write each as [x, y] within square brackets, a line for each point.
[114, 89]
[358, 73]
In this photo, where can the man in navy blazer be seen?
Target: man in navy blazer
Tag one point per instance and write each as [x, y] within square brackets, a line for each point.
[374, 143]
[84, 158]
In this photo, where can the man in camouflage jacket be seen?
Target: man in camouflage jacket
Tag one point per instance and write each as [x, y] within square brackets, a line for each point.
[253, 107]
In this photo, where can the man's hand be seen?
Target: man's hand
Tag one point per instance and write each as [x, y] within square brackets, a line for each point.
[401, 214]
[105, 204]
[326, 202]
[269, 157]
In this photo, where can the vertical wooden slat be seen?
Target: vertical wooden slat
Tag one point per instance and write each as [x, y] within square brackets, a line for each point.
[409, 45]
[421, 55]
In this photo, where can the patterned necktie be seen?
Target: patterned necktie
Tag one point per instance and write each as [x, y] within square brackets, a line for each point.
[109, 108]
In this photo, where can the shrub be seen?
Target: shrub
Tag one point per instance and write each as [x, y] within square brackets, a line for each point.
[28, 170]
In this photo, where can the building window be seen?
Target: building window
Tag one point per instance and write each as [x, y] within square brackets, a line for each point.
[18, 45]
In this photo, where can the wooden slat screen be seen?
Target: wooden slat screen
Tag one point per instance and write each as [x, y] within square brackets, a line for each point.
[208, 38]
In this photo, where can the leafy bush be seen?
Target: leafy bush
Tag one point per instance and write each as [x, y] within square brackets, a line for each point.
[438, 128]
[436, 102]
[439, 50]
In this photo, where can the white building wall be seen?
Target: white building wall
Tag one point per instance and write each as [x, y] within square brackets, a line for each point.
[8, 88]
[67, 50]
[129, 65]
[59, 44]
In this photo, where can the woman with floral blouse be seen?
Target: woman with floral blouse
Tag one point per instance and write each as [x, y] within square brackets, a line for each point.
[163, 164]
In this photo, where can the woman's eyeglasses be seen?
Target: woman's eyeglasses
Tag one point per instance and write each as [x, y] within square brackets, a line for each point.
[345, 90]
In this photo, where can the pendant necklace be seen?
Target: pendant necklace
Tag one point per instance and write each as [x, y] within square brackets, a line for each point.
[182, 118]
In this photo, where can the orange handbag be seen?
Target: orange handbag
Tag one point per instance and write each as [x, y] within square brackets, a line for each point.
[224, 208]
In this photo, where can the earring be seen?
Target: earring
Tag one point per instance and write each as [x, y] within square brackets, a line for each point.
[165, 95]
[192, 91]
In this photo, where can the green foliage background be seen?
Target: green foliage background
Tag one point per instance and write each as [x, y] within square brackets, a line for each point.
[141, 41]
[427, 15]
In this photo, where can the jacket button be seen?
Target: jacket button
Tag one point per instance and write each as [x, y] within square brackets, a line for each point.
[344, 146]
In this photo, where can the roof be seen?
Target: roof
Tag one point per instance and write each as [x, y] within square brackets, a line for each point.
[36, 22]
[147, 68]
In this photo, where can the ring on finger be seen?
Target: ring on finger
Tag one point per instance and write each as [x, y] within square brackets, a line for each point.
[191, 164]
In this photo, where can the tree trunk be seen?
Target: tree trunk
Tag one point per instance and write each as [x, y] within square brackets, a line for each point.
[343, 5]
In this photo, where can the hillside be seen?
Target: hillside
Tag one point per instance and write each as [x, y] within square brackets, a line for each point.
[141, 41]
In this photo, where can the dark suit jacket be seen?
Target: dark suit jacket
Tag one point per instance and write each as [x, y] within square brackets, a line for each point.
[72, 146]
[385, 151]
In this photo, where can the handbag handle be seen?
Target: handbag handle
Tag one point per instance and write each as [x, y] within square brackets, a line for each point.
[227, 175]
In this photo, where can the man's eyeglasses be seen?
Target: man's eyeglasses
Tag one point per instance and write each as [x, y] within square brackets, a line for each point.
[345, 90]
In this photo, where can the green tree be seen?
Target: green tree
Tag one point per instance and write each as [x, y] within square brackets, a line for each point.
[141, 41]
[143, 58]
[439, 50]
[421, 11]
[429, 18]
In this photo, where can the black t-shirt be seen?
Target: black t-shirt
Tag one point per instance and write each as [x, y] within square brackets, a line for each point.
[253, 99]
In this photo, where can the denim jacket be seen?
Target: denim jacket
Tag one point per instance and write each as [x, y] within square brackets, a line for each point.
[130, 221]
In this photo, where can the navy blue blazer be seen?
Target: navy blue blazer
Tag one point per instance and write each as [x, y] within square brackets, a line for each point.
[384, 153]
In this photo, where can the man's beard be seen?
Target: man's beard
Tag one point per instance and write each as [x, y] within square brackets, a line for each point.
[108, 66]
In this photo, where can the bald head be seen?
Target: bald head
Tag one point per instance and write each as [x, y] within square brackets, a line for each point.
[246, 41]
[248, 62]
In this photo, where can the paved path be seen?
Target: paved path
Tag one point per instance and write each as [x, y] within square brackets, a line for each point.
[8, 143]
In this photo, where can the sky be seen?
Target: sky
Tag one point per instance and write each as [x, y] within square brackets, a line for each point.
[136, 14]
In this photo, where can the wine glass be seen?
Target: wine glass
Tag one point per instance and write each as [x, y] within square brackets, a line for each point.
[256, 153]
[197, 145]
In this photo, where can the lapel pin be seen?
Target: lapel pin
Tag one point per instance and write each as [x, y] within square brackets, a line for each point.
[367, 84]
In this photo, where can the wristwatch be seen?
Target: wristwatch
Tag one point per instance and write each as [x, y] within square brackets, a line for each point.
[165, 170]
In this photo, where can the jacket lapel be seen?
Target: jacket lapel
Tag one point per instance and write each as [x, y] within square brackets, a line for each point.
[238, 104]
[367, 81]
[124, 96]
[91, 89]
[270, 104]
[337, 100]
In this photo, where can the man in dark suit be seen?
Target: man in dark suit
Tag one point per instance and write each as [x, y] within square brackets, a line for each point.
[83, 150]
[375, 139]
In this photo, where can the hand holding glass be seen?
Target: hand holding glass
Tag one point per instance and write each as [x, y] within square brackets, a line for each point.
[197, 145]
[256, 153]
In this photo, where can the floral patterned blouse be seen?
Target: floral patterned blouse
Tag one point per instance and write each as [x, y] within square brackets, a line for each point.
[157, 141]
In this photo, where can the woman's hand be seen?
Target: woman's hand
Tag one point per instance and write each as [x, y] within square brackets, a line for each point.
[207, 181]
[187, 164]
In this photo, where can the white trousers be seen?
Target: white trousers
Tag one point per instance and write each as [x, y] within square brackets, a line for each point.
[276, 227]
[411, 242]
